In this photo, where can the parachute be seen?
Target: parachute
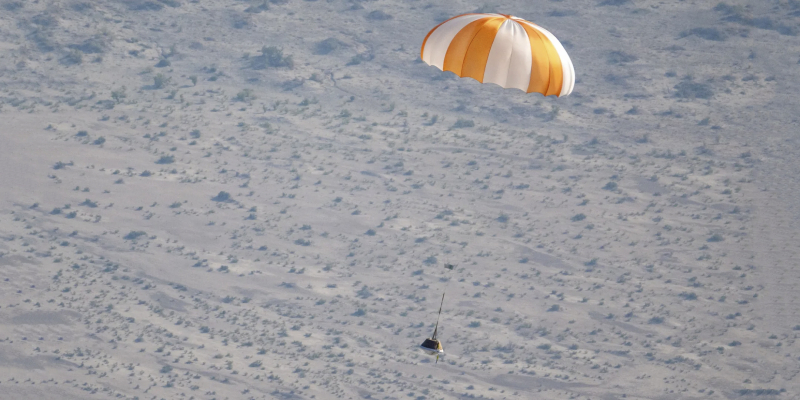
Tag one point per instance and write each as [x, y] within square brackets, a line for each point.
[501, 49]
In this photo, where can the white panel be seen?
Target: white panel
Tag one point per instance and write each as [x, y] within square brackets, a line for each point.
[511, 64]
[500, 55]
[438, 42]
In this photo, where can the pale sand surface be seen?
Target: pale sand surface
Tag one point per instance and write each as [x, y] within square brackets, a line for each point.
[637, 239]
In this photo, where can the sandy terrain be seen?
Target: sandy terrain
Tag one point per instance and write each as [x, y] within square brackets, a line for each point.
[245, 199]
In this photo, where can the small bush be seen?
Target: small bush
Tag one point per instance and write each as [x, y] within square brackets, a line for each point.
[562, 13]
[364, 292]
[13, 5]
[255, 9]
[760, 392]
[328, 46]
[45, 20]
[688, 296]
[610, 186]
[620, 57]
[378, 15]
[43, 40]
[245, 95]
[728, 9]
[133, 235]
[118, 94]
[693, 90]
[167, 159]
[89, 203]
[358, 58]
[94, 45]
[159, 81]
[222, 196]
[73, 57]
[713, 34]
[463, 123]
[272, 57]
[578, 217]
[144, 5]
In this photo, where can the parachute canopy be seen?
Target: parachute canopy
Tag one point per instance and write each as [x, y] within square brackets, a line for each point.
[501, 49]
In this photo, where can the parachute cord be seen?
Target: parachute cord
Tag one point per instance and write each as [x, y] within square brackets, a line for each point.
[438, 316]
[436, 329]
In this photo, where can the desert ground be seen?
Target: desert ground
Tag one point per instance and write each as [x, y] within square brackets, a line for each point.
[228, 199]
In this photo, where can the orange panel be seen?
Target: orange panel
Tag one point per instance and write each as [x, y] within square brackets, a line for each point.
[462, 54]
[422, 50]
[540, 61]
[556, 71]
[478, 53]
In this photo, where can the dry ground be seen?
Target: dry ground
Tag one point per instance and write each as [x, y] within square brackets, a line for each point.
[231, 199]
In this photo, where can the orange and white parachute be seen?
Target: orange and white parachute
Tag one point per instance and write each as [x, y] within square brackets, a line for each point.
[501, 49]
